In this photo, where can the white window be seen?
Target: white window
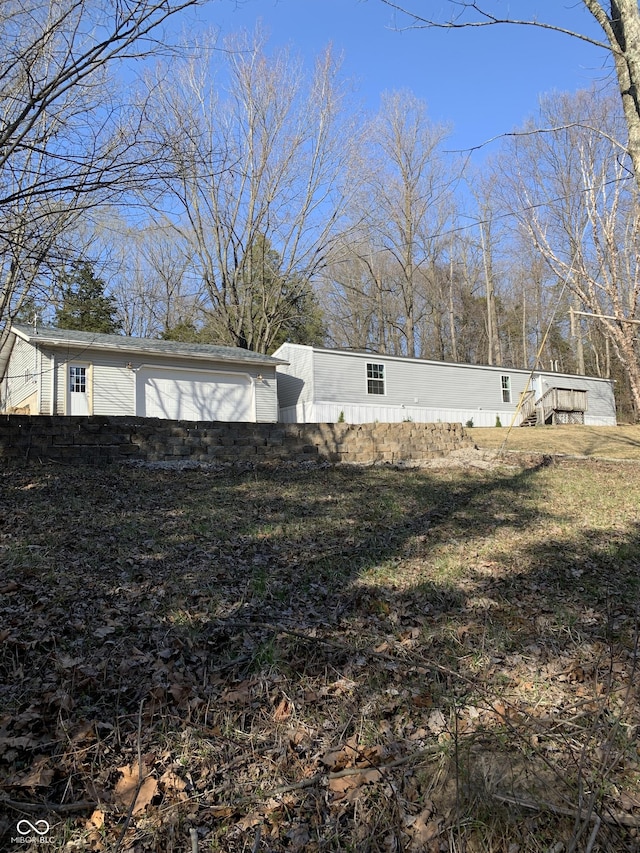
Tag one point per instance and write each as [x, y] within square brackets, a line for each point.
[506, 389]
[78, 380]
[375, 378]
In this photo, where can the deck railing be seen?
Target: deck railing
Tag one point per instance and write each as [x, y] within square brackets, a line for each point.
[561, 405]
[563, 400]
[527, 406]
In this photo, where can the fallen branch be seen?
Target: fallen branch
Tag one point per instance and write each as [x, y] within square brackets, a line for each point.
[320, 778]
[193, 835]
[334, 644]
[610, 818]
[46, 805]
[127, 821]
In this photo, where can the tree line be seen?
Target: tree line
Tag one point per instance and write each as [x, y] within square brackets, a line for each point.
[233, 195]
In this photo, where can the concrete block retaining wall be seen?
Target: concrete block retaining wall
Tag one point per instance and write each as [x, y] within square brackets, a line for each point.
[100, 440]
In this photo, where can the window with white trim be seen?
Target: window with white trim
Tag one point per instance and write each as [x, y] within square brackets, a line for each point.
[506, 389]
[375, 378]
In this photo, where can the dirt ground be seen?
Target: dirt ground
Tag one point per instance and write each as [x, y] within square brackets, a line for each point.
[621, 442]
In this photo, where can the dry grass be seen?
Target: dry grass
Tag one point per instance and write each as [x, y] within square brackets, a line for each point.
[332, 659]
[621, 442]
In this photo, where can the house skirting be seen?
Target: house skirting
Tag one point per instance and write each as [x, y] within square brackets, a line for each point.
[332, 413]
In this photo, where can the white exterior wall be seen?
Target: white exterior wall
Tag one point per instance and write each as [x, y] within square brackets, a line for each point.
[417, 390]
[324, 412]
[47, 382]
[22, 378]
[601, 403]
[296, 380]
[113, 383]
[113, 388]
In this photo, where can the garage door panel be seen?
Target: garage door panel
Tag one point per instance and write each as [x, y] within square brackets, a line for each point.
[200, 396]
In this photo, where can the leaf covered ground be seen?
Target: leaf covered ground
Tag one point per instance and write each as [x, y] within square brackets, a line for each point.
[320, 658]
[601, 442]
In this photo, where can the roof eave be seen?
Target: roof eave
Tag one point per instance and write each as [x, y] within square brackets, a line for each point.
[60, 341]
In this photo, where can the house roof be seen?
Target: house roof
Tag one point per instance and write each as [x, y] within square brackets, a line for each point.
[366, 354]
[95, 340]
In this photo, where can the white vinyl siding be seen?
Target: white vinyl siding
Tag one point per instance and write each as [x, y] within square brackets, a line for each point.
[419, 390]
[113, 388]
[295, 384]
[115, 377]
[23, 373]
[47, 379]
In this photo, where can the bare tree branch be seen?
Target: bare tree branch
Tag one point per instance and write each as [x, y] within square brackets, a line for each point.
[486, 19]
[68, 139]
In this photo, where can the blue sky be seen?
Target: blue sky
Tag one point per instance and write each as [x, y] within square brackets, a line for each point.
[483, 82]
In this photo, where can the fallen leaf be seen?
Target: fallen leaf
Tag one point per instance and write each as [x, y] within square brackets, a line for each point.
[174, 784]
[335, 759]
[39, 776]
[127, 786]
[103, 632]
[423, 829]
[437, 722]
[422, 700]
[97, 819]
[220, 812]
[282, 712]
[241, 693]
[250, 820]
[342, 784]
[371, 775]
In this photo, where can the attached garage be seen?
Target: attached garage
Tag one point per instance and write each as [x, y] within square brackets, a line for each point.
[186, 395]
[48, 371]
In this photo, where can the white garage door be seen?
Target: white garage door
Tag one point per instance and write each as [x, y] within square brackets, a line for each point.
[194, 396]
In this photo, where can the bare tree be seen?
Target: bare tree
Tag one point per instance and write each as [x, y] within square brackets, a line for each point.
[64, 136]
[574, 195]
[149, 273]
[403, 198]
[257, 185]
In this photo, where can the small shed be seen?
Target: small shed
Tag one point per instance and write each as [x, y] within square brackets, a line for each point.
[49, 371]
[317, 385]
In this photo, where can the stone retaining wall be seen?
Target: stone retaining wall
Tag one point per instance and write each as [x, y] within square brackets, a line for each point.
[101, 440]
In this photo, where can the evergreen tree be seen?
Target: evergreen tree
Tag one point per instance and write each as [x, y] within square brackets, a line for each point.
[186, 332]
[271, 308]
[29, 312]
[275, 306]
[85, 306]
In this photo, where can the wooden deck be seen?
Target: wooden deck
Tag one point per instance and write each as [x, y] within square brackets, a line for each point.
[556, 406]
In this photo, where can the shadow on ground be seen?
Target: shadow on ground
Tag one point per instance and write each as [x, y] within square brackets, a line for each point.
[247, 649]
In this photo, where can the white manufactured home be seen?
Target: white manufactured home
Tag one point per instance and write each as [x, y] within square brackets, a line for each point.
[318, 385]
[48, 371]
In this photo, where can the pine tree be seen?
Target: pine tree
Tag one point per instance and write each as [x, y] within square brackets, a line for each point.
[85, 306]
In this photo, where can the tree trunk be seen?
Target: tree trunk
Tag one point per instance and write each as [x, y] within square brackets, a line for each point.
[622, 29]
